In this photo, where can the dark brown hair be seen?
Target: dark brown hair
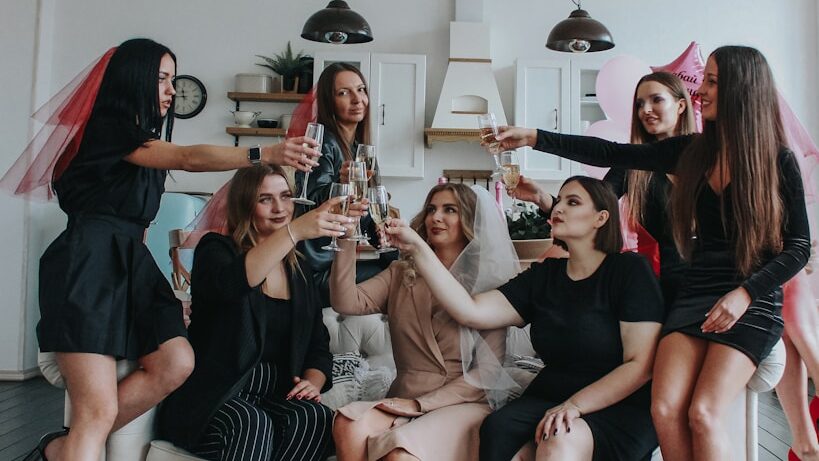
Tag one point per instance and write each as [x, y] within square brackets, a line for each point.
[746, 138]
[326, 106]
[637, 179]
[609, 238]
[243, 194]
[467, 200]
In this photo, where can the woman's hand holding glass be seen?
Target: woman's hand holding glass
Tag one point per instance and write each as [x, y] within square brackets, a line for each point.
[512, 137]
[403, 237]
[300, 153]
[380, 212]
[323, 221]
[339, 207]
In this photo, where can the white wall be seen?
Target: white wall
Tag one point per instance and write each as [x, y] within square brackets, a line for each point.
[214, 40]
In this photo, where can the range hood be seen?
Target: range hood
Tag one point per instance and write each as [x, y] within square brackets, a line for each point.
[469, 86]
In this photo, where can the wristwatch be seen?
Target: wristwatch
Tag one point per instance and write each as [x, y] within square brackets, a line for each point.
[254, 155]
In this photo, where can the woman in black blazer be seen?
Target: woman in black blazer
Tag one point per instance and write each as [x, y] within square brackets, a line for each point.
[262, 351]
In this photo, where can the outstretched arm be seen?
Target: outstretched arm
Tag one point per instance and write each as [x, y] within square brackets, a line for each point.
[485, 311]
[163, 155]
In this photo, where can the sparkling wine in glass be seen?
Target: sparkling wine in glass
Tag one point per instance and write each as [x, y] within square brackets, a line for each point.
[338, 190]
[358, 192]
[314, 131]
[489, 132]
[380, 211]
[366, 153]
[510, 171]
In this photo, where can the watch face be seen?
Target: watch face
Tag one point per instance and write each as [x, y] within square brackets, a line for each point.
[190, 96]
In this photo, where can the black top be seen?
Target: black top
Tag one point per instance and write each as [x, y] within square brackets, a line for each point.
[662, 157]
[576, 323]
[278, 315]
[228, 336]
[98, 180]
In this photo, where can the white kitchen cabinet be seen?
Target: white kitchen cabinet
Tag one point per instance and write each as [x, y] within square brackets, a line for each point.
[397, 92]
[555, 95]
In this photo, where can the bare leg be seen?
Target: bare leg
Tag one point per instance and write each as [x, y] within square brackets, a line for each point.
[577, 445]
[161, 372]
[676, 367]
[91, 382]
[725, 372]
[399, 454]
[801, 323]
[351, 436]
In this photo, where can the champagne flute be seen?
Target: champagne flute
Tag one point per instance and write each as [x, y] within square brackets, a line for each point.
[314, 131]
[511, 171]
[338, 190]
[380, 210]
[489, 133]
[358, 191]
[366, 153]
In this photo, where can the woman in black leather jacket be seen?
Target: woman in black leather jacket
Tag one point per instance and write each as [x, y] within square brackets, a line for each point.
[343, 109]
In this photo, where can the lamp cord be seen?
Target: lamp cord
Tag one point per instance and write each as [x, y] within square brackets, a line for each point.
[577, 3]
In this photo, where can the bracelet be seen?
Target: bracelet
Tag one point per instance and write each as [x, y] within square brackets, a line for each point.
[290, 233]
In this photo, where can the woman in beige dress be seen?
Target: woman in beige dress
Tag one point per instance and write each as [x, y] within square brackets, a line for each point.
[433, 412]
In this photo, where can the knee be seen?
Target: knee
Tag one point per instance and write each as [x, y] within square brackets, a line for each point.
[702, 418]
[553, 448]
[399, 454]
[176, 368]
[664, 411]
[99, 412]
[345, 429]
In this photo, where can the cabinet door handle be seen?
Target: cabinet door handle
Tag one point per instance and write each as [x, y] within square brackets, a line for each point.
[383, 113]
[555, 119]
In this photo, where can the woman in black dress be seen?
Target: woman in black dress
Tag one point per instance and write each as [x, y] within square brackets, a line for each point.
[662, 109]
[102, 296]
[738, 217]
[595, 320]
[262, 350]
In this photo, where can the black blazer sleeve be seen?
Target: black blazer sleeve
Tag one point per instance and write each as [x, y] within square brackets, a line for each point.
[659, 156]
[218, 271]
[317, 353]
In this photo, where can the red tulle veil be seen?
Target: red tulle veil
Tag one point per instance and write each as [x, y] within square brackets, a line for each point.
[53, 148]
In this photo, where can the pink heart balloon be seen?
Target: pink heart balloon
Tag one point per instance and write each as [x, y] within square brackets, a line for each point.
[690, 67]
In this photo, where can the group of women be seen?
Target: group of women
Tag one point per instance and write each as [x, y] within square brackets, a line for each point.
[244, 382]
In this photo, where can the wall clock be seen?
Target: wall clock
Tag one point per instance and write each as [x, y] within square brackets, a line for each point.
[190, 96]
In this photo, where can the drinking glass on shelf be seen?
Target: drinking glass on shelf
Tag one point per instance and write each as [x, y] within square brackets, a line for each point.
[489, 133]
[511, 171]
[314, 131]
[366, 153]
[338, 190]
[380, 210]
[358, 191]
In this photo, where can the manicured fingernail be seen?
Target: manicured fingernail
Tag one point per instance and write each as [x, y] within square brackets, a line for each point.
[555, 431]
[568, 429]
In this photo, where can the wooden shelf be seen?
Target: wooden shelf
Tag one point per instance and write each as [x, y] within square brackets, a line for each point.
[266, 97]
[432, 135]
[240, 131]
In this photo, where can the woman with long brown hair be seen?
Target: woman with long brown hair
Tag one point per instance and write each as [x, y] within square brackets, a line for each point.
[262, 350]
[433, 409]
[738, 216]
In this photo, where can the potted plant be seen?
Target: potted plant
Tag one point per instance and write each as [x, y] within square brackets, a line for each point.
[530, 232]
[287, 64]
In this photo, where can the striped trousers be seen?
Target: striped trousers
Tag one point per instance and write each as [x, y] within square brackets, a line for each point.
[259, 425]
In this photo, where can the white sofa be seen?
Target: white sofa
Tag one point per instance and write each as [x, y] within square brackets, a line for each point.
[369, 336]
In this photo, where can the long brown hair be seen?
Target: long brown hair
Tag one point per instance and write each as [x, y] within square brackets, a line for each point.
[746, 138]
[243, 194]
[609, 237]
[326, 106]
[638, 180]
[466, 199]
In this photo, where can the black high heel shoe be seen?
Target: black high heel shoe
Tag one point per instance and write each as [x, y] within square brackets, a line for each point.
[38, 453]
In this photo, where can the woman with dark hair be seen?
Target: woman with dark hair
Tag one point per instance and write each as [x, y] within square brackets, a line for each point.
[738, 217]
[102, 296]
[342, 105]
[434, 408]
[595, 320]
[262, 350]
[662, 108]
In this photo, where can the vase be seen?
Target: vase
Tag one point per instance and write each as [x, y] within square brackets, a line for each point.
[289, 83]
[531, 250]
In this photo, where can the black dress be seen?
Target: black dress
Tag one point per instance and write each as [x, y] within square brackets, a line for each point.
[655, 221]
[575, 328]
[713, 272]
[100, 289]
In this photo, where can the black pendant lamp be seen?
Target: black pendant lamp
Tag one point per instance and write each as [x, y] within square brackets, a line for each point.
[579, 34]
[337, 24]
